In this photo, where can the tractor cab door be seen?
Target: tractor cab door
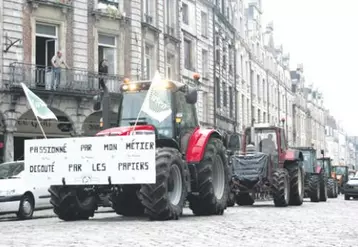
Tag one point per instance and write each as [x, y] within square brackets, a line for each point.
[186, 120]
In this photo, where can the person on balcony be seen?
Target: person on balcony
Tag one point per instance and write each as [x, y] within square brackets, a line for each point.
[103, 72]
[57, 62]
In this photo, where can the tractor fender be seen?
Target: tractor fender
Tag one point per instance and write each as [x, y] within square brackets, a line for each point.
[171, 143]
[197, 143]
[293, 155]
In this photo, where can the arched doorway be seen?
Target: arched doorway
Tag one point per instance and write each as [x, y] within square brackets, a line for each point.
[91, 125]
[28, 128]
[2, 144]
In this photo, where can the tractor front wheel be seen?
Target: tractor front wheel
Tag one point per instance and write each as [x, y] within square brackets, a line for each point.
[71, 204]
[314, 188]
[331, 190]
[323, 188]
[213, 175]
[281, 187]
[126, 202]
[165, 199]
[297, 185]
[244, 200]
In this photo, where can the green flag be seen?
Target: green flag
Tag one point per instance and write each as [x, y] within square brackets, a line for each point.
[37, 105]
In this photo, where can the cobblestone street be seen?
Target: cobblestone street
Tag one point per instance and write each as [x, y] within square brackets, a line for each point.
[314, 224]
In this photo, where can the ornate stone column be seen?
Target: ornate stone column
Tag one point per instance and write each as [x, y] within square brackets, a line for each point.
[10, 128]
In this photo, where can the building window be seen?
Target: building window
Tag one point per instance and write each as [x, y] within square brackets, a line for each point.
[258, 86]
[258, 116]
[224, 94]
[46, 44]
[224, 61]
[243, 114]
[107, 50]
[171, 16]
[218, 92]
[148, 62]
[204, 63]
[204, 24]
[231, 101]
[217, 56]
[170, 66]
[188, 53]
[109, 2]
[205, 107]
[149, 11]
[264, 117]
[223, 6]
[185, 13]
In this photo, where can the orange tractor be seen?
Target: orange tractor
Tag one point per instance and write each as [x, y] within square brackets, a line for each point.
[341, 174]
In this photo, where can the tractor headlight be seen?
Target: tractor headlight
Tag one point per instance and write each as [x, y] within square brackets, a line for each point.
[7, 192]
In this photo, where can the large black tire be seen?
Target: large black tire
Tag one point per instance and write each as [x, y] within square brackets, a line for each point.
[126, 202]
[297, 184]
[157, 198]
[231, 199]
[323, 187]
[314, 188]
[244, 200]
[280, 187]
[347, 197]
[331, 189]
[72, 203]
[26, 208]
[336, 189]
[213, 176]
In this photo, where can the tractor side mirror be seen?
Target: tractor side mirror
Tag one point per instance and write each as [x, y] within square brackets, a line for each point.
[97, 103]
[322, 151]
[191, 96]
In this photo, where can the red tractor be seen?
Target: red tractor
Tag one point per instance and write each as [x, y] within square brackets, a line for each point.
[266, 165]
[191, 161]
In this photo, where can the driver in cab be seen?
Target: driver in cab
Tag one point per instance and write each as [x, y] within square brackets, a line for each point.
[267, 145]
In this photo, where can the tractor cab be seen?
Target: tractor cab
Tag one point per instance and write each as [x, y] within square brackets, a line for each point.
[326, 164]
[341, 172]
[309, 159]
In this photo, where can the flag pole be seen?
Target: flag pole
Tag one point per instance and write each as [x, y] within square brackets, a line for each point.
[39, 123]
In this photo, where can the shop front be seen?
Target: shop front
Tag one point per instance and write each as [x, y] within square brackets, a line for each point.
[92, 123]
[28, 128]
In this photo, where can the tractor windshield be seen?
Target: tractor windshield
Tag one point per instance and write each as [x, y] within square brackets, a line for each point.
[308, 160]
[324, 164]
[265, 140]
[340, 170]
[131, 105]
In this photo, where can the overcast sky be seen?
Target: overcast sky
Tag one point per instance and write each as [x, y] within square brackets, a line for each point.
[322, 34]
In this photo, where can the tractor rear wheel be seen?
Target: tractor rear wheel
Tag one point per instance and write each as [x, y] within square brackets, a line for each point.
[165, 199]
[281, 187]
[126, 202]
[331, 190]
[244, 200]
[213, 176]
[71, 204]
[323, 187]
[297, 185]
[314, 188]
[231, 199]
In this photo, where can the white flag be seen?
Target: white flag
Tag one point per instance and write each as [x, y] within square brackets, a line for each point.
[38, 106]
[156, 103]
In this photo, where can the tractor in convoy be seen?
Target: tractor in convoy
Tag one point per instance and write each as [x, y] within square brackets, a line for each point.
[340, 172]
[267, 165]
[191, 161]
[316, 178]
[332, 182]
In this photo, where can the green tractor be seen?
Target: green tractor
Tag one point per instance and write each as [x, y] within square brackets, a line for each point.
[332, 182]
[315, 176]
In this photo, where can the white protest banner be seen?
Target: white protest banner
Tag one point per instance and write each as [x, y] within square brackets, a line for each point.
[91, 160]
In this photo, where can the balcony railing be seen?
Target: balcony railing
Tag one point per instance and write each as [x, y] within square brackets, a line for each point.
[70, 80]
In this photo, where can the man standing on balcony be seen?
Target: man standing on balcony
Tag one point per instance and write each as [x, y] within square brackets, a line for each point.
[103, 72]
[57, 61]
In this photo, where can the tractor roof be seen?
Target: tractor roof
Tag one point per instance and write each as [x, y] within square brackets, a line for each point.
[264, 126]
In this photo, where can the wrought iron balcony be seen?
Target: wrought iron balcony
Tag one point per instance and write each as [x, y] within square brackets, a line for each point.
[69, 81]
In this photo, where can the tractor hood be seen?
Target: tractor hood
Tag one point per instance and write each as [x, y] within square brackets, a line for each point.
[127, 130]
